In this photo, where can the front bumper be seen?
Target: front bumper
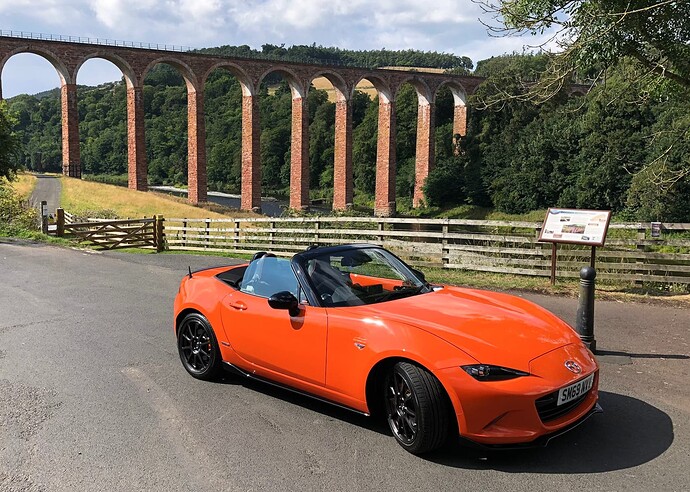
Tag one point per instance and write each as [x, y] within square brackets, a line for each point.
[505, 412]
[540, 442]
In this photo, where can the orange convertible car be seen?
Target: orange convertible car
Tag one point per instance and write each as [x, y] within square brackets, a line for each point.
[355, 326]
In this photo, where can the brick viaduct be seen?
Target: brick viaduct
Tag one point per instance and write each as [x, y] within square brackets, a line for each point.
[135, 63]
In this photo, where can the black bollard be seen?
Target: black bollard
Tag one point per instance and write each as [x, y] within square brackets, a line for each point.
[585, 309]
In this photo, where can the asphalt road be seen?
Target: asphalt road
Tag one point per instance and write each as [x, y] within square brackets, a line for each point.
[48, 188]
[93, 397]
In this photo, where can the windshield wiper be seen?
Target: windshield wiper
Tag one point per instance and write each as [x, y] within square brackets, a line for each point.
[400, 293]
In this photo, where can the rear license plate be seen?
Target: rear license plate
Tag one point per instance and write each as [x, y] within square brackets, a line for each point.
[575, 390]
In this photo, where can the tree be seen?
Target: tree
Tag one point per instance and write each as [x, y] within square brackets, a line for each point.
[594, 35]
[9, 144]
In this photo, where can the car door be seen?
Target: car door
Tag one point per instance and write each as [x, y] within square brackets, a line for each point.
[272, 339]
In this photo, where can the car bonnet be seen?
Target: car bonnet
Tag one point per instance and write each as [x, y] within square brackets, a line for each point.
[493, 328]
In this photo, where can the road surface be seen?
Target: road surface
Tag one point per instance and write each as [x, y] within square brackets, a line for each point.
[48, 187]
[93, 397]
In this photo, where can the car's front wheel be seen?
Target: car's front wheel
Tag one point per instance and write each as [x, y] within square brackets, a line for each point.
[416, 408]
[198, 347]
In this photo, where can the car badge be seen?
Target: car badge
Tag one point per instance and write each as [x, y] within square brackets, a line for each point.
[573, 366]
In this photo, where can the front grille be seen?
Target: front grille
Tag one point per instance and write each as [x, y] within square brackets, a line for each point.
[548, 410]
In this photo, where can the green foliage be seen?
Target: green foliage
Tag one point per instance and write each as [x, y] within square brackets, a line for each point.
[660, 190]
[364, 149]
[337, 56]
[445, 184]
[39, 130]
[595, 35]
[17, 217]
[9, 144]
[112, 179]
[597, 151]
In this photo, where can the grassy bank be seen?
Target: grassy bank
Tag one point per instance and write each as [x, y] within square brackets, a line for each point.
[81, 197]
[24, 184]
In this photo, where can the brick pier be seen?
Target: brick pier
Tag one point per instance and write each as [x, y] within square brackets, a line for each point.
[68, 57]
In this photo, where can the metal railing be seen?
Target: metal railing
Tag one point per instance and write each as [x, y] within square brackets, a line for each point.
[98, 41]
[255, 55]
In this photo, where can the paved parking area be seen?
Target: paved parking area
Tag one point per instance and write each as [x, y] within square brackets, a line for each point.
[93, 397]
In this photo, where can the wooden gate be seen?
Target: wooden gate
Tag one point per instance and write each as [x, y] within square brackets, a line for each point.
[113, 234]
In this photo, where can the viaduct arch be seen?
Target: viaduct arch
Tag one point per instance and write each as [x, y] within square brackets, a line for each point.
[68, 57]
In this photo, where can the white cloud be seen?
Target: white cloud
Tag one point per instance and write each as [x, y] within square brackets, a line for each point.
[449, 26]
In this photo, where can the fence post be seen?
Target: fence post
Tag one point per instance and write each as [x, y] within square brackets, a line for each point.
[208, 233]
[237, 234]
[641, 236]
[158, 233]
[380, 228]
[316, 231]
[184, 232]
[445, 252]
[60, 217]
[272, 234]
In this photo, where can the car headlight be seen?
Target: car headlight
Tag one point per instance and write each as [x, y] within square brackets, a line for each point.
[485, 372]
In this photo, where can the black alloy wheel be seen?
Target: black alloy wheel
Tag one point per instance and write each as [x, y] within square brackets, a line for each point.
[416, 408]
[198, 347]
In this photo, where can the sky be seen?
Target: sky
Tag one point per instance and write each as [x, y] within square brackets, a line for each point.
[449, 26]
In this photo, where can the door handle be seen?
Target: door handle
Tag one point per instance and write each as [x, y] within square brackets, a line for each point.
[239, 305]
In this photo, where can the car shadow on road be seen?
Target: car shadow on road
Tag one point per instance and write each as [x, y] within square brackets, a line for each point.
[314, 404]
[629, 433]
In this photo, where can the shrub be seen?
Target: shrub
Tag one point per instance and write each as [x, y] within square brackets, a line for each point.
[17, 218]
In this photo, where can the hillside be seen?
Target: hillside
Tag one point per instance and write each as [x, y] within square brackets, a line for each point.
[91, 199]
[103, 129]
[600, 151]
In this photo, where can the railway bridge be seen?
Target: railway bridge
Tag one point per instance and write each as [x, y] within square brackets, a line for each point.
[68, 54]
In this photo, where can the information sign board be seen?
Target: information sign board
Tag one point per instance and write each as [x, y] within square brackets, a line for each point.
[574, 226]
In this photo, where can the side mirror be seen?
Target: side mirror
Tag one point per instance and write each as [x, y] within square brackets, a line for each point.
[285, 300]
[419, 274]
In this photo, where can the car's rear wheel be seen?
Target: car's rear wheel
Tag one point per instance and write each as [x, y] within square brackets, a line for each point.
[198, 347]
[416, 408]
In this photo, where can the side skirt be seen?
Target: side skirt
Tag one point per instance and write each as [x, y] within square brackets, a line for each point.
[254, 377]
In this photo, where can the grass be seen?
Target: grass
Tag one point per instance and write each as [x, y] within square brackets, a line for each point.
[475, 213]
[610, 291]
[606, 290]
[80, 196]
[24, 184]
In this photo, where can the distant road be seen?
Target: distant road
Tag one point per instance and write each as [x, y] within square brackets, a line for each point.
[48, 188]
[269, 206]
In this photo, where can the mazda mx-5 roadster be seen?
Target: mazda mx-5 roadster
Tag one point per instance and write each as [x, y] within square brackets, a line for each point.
[355, 326]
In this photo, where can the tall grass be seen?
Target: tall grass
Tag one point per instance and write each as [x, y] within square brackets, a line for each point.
[80, 196]
[24, 185]
[17, 217]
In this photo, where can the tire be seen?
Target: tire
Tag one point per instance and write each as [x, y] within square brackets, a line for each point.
[416, 408]
[198, 347]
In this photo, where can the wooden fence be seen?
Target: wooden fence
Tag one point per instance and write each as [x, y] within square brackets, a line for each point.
[630, 254]
[490, 246]
[113, 234]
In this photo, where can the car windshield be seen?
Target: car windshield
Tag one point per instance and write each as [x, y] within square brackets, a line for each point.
[355, 277]
[269, 275]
